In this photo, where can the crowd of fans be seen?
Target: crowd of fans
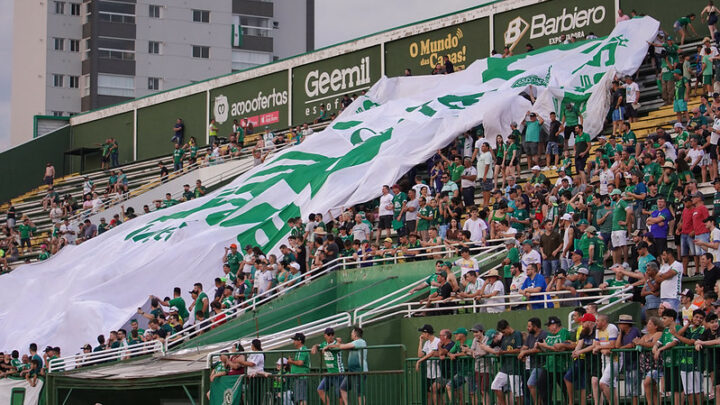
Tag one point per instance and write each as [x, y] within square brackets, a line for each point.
[618, 203]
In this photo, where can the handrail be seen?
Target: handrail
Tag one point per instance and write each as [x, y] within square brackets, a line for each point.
[121, 353]
[409, 308]
[154, 183]
[620, 294]
[483, 249]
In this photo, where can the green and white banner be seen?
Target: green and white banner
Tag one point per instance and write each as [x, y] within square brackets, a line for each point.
[226, 390]
[17, 391]
[97, 286]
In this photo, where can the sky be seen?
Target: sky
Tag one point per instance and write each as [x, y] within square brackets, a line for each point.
[331, 22]
[5, 71]
[375, 15]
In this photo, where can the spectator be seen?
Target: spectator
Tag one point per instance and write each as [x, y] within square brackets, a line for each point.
[49, 176]
[670, 279]
[178, 155]
[492, 288]
[476, 226]
[507, 341]
[178, 132]
[300, 364]
[533, 126]
[533, 284]
[333, 364]
[535, 336]
[201, 303]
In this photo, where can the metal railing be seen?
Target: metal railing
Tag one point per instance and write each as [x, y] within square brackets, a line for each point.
[176, 339]
[105, 356]
[282, 385]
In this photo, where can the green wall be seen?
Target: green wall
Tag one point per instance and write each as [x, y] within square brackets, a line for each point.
[463, 43]
[22, 167]
[155, 124]
[93, 133]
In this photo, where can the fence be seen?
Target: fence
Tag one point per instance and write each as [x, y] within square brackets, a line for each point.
[380, 381]
[623, 376]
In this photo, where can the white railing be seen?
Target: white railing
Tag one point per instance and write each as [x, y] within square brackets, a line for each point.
[251, 304]
[409, 309]
[401, 294]
[121, 353]
[154, 183]
[281, 338]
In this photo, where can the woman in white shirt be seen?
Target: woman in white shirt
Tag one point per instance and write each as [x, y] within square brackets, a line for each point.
[256, 361]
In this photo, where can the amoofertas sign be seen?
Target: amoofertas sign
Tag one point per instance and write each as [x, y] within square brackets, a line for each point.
[462, 43]
[545, 23]
[324, 83]
[262, 101]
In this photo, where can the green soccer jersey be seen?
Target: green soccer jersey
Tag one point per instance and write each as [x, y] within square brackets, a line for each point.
[571, 116]
[179, 303]
[178, 154]
[199, 305]
[605, 227]
[616, 283]
[302, 355]
[233, 260]
[680, 88]
[455, 172]
[619, 214]
[666, 189]
[611, 151]
[398, 200]
[464, 366]
[670, 358]
[200, 191]
[716, 207]
[690, 358]
[219, 367]
[424, 224]
[25, 230]
[332, 359]
[652, 172]
[432, 279]
[557, 362]
[532, 131]
[44, 255]
[514, 256]
[521, 215]
[228, 302]
[512, 148]
[193, 151]
[629, 138]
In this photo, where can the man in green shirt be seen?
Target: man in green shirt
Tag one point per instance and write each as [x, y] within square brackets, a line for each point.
[513, 256]
[399, 201]
[652, 170]
[178, 155]
[629, 140]
[619, 227]
[44, 253]
[557, 340]
[570, 117]
[300, 364]
[533, 125]
[233, 258]
[26, 229]
[333, 364]
[178, 302]
[671, 360]
[519, 218]
[582, 151]
[668, 181]
[187, 195]
[201, 303]
[682, 95]
[200, 190]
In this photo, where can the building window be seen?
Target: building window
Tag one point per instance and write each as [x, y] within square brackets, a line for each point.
[85, 85]
[201, 51]
[201, 16]
[116, 85]
[74, 45]
[153, 83]
[116, 54]
[154, 11]
[57, 80]
[59, 7]
[59, 44]
[75, 8]
[154, 47]
[57, 113]
[120, 18]
[74, 82]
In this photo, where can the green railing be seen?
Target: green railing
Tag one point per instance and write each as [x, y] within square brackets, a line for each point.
[382, 383]
[680, 375]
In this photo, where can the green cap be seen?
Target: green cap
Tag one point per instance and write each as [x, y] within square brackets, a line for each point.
[583, 222]
[527, 242]
[223, 279]
[133, 320]
[677, 71]
[616, 192]
[448, 264]
[461, 331]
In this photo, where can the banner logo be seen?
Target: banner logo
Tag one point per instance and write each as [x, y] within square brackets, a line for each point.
[220, 109]
[569, 22]
[516, 29]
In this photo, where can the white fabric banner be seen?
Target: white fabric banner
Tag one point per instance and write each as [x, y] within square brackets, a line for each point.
[22, 389]
[96, 287]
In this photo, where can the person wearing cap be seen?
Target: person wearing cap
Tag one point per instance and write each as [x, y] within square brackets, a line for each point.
[686, 306]
[492, 287]
[682, 96]
[357, 363]
[200, 303]
[299, 364]
[428, 346]
[629, 334]
[537, 176]
[507, 341]
[463, 371]
[233, 258]
[479, 349]
[333, 364]
[557, 339]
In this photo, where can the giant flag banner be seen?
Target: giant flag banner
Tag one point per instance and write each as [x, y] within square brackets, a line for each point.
[96, 286]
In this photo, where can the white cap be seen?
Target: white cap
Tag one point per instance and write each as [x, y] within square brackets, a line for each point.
[678, 125]
[295, 265]
[173, 309]
[566, 217]
[536, 167]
